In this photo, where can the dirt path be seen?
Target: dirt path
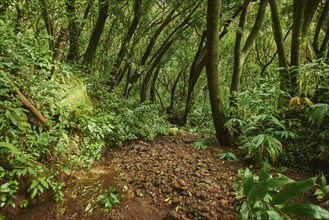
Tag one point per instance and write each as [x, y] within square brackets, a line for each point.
[162, 179]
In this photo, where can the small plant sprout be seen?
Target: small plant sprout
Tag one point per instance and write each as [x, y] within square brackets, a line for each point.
[229, 156]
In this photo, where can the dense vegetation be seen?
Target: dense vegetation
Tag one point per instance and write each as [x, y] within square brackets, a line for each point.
[79, 77]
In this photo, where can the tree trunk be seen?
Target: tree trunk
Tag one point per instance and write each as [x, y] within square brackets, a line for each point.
[321, 19]
[116, 70]
[97, 32]
[49, 24]
[199, 63]
[222, 134]
[170, 109]
[153, 84]
[195, 72]
[240, 55]
[75, 27]
[309, 12]
[156, 34]
[279, 40]
[296, 41]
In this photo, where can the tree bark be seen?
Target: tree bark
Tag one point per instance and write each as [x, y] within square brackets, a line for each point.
[279, 40]
[241, 54]
[222, 134]
[31, 107]
[153, 84]
[116, 70]
[97, 32]
[49, 24]
[296, 41]
[321, 19]
[199, 63]
[156, 34]
[75, 27]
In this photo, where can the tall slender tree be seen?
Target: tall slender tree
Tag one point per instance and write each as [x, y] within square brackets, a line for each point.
[97, 32]
[222, 134]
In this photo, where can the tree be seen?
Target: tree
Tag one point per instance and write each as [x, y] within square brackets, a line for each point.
[97, 32]
[222, 134]
[241, 54]
[279, 39]
[116, 69]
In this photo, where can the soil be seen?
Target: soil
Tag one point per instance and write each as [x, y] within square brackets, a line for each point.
[162, 179]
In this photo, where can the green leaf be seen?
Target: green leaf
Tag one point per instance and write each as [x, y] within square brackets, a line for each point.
[274, 215]
[10, 117]
[34, 193]
[306, 210]
[44, 183]
[34, 184]
[248, 182]
[264, 174]
[11, 147]
[265, 186]
[244, 212]
[293, 190]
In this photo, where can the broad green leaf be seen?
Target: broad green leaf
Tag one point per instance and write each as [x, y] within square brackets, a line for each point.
[264, 174]
[248, 182]
[306, 210]
[40, 188]
[323, 180]
[244, 212]
[5, 188]
[274, 215]
[258, 139]
[293, 190]
[34, 192]
[34, 184]
[265, 186]
[44, 183]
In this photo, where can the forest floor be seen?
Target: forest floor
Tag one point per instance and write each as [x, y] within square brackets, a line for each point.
[162, 179]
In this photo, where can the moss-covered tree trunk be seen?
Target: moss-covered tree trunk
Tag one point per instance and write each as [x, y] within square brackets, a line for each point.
[97, 32]
[222, 134]
[279, 40]
[296, 41]
[241, 54]
[117, 69]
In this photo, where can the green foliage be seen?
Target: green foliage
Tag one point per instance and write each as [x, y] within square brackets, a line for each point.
[323, 188]
[7, 193]
[312, 77]
[229, 156]
[38, 186]
[200, 144]
[260, 135]
[110, 198]
[318, 113]
[269, 196]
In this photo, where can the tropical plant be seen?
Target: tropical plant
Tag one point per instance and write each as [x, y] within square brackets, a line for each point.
[260, 135]
[110, 198]
[271, 196]
[229, 156]
[323, 188]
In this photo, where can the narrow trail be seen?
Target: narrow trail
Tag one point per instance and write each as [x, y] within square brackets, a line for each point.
[162, 179]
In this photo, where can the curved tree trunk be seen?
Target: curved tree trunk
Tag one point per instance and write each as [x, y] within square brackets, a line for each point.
[116, 70]
[222, 134]
[241, 54]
